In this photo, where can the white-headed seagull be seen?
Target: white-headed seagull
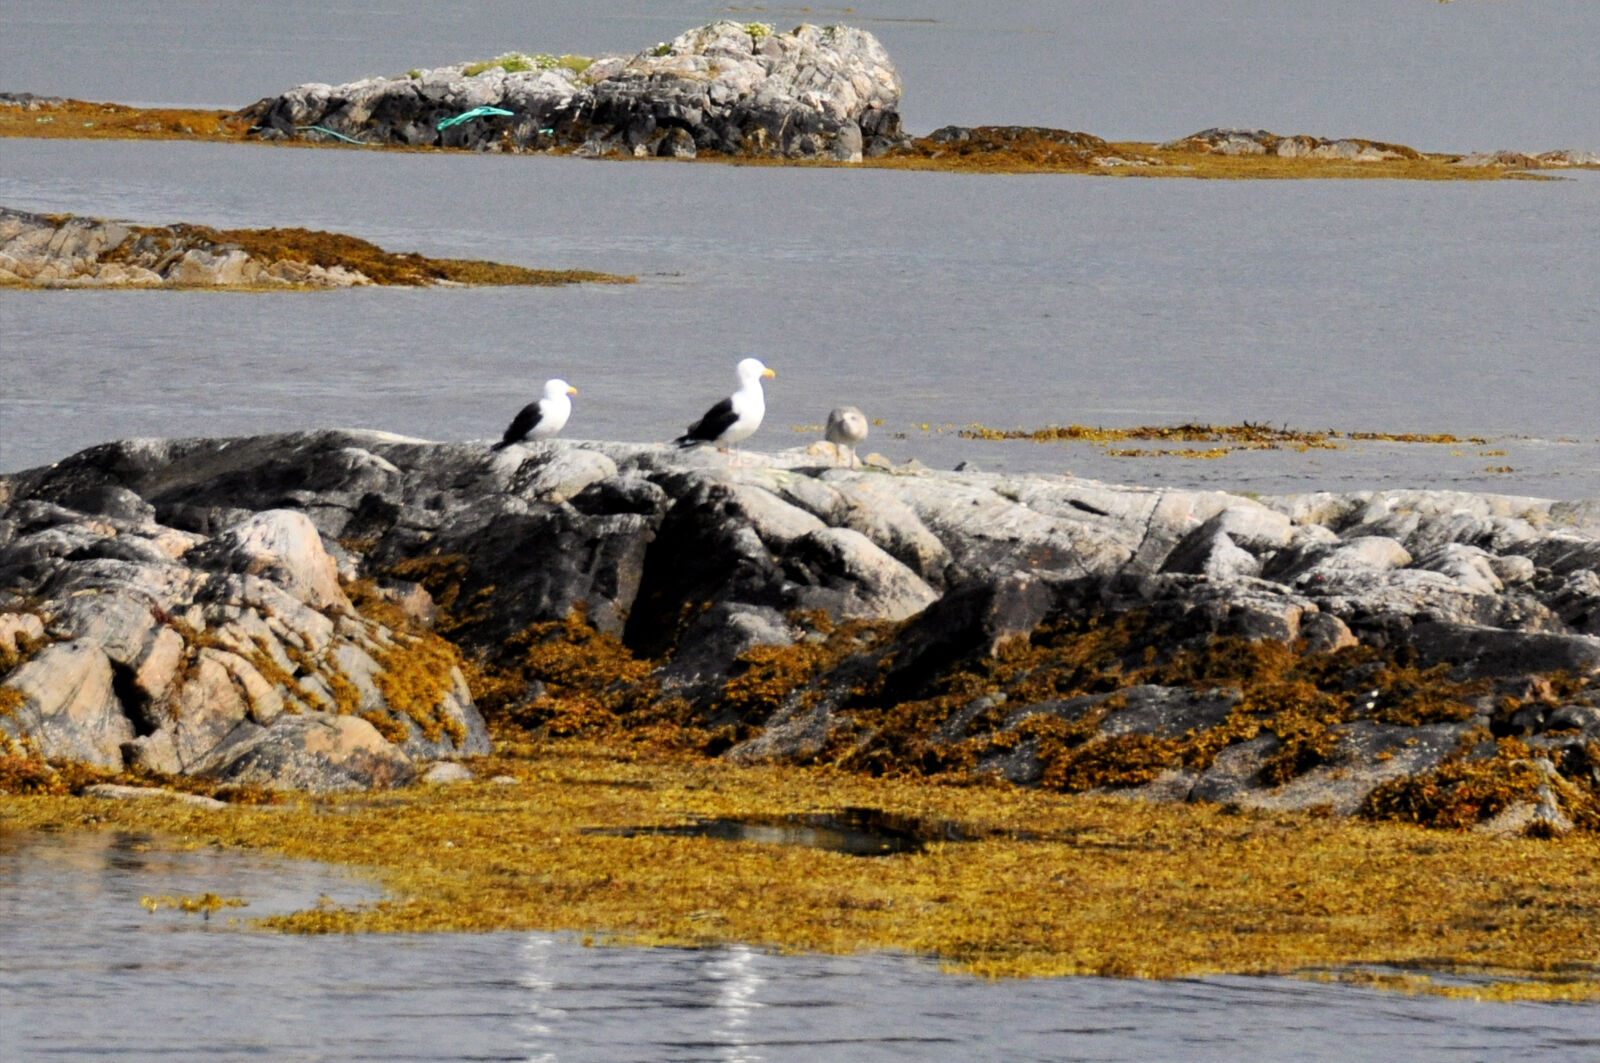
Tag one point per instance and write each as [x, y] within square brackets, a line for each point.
[543, 418]
[735, 417]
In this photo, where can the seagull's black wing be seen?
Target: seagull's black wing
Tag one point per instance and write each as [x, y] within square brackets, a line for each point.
[709, 428]
[525, 422]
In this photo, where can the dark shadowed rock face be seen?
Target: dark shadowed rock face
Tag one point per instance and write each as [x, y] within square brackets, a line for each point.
[729, 87]
[216, 606]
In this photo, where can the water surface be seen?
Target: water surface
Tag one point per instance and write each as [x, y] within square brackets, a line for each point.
[926, 299]
[87, 974]
[1465, 76]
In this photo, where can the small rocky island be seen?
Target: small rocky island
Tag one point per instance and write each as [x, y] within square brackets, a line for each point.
[342, 609]
[63, 251]
[735, 88]
[732, 91]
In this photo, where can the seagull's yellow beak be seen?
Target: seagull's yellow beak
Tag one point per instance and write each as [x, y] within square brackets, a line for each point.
[768, 372]
[571, 390]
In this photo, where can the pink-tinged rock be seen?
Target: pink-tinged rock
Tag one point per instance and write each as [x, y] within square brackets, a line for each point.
[283, 547]
[70, 710]
[316, 752]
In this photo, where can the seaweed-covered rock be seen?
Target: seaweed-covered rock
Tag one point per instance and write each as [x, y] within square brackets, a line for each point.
[730, 87]
[71, 252]
[170, 599]
[145, 646]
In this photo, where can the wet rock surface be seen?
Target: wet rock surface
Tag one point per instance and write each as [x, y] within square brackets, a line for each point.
[242, 608]
[727, 87]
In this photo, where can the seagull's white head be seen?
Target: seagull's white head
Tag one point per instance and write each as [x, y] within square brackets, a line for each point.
[555, 389]
[751, 371]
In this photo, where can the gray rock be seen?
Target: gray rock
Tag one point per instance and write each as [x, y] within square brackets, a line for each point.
[49, 251]
[202, 609]
[1261, 142]
[114, 792]
[1510, 159]
[562, 474]
[1324, 633]
[875, 585]
[1214, 556]
[1168, 712]
[69, 709]
[315, 752]
[1569, 157]
[445, 772]
[737, 88]
[1492, 651]
[282, 546]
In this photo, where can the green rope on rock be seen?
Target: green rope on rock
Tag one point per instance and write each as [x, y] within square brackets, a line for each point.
[331, 133]
[476, 112]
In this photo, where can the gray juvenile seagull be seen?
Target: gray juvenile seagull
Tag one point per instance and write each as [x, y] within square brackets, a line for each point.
[735, 417]
[847, 426]
[543, 418]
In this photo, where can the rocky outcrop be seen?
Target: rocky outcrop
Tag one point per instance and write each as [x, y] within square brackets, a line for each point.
[1261, 142]
[1056, 147]
[28, 101]
[1247, 142]
[61, 251]
[728, 87]
[148, 647]
[66, 252]
[185, 604]
[1549, 160]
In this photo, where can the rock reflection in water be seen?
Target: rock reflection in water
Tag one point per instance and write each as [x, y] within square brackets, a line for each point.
[85, 973]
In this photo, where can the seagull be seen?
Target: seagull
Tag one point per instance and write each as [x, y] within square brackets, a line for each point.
[541, 419]
[735, 417]
[847, 426]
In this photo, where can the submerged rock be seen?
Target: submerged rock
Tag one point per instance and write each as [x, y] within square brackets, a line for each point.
[729, 87]
[217, 606]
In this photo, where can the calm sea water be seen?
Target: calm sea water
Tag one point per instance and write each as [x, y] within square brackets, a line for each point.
[932, 301]
[1464, 76]
[926, 299]
[87, 974]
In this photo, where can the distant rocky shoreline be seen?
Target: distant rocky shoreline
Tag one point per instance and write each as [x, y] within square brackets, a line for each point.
[340, 609]
[732, 91]
[63, 251]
